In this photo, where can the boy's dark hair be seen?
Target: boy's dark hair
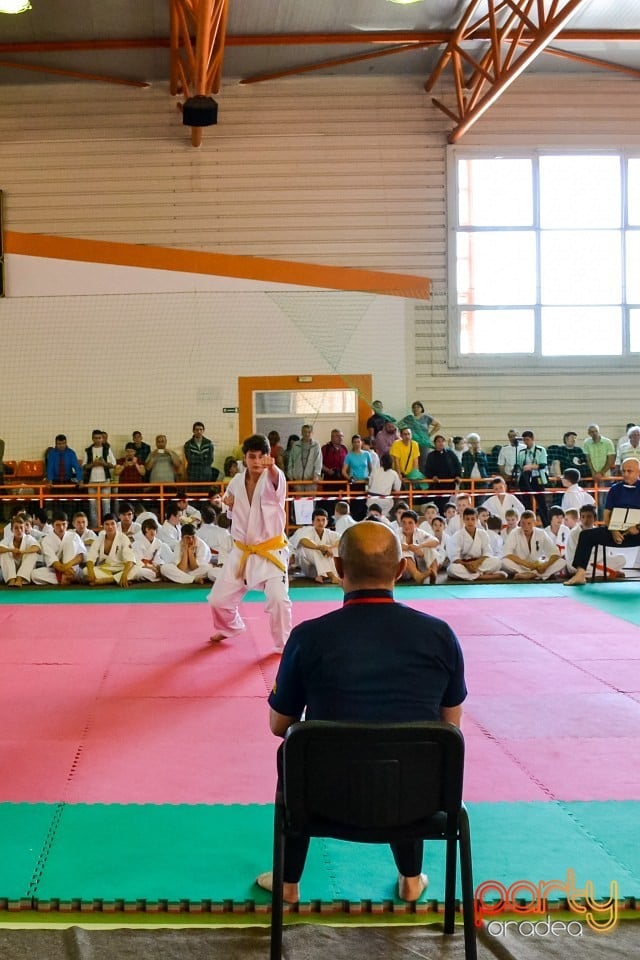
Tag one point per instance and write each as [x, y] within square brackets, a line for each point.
[208, 515]
[188, 530]
[148, 524]
[319, 512]
[257, 441]
[173, 510]
[59, 515]
[409, 513]
[571, 474]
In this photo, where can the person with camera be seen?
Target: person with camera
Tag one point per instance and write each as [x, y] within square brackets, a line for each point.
[507, 455]
[129, 469]
[531, 467]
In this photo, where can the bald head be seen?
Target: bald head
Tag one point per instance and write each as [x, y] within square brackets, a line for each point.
[369, 556]
[630, 470]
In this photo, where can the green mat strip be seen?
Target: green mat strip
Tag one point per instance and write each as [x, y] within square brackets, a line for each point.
[196, 593]
[619, 599]
[202, 858]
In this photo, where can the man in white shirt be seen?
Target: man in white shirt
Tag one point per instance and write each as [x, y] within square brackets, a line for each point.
[629, 447]
[557, 530]
[149, 552]
[342, 517]
[316, 548]
[110, 558]
[500, 501]
[191, 559]
[81, 526]
[469, 552]
[508, 454]
[169, 532]
[216, 536]
[127, 525]
[63, 552]
[529, 554]
[18, 554]
[97, 464]
[574, 496]
[418, 549]
[455, 523]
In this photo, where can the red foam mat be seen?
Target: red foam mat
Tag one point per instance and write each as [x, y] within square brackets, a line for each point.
[131, 704]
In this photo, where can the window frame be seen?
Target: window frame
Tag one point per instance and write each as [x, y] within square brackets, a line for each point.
[509, 362]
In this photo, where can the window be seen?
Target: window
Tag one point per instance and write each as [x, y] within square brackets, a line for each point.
[545, 255]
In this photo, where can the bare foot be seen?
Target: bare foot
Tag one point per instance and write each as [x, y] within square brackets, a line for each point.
[525, 575]
[216, 638]
[577, 580]
[290, 891]
[412, 888]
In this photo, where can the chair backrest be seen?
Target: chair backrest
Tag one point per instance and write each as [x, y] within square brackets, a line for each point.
[378, 778]
[30, 469]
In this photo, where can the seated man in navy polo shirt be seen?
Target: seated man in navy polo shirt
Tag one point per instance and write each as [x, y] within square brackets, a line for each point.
[372, 661]
[625, 494]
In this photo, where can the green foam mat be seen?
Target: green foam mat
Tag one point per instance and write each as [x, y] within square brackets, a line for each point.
[196, 853]
[25, 832]
[619, 599]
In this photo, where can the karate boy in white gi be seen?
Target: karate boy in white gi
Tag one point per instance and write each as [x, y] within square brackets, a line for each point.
[63, 552]
[260, 556]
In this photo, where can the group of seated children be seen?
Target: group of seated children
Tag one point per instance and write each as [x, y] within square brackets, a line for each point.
[499, 539]
[189, 547]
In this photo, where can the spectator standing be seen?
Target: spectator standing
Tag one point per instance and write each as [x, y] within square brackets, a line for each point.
[198, 454]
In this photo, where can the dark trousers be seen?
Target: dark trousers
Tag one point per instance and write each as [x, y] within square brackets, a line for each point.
[536, 497]
[407, 854]
[589, 539]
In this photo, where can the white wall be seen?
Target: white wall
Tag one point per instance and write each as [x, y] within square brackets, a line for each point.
[341, 171]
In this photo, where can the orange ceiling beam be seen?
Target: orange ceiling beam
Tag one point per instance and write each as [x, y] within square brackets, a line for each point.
[592, 61]
[335, 62]
[509, 22]
[196, 43]
[306, 39]
[73, 74]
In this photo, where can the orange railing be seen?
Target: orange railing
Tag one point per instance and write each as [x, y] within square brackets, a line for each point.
[19, 490]
[45, 495]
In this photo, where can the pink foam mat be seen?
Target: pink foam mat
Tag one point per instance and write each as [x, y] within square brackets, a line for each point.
[623, 675]
[529, 676]
[583, 768]
[133, 705]
[491, 773]
[36, 770]
[555, 715]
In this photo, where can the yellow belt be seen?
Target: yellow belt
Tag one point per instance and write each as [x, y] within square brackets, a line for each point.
[263, 550]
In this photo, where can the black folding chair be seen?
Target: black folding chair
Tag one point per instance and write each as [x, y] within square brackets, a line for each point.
[375, 783]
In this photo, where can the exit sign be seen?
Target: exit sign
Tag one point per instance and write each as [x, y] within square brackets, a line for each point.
[230, 409]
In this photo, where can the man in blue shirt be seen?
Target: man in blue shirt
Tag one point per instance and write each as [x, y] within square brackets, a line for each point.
[372, 661]
[625, 494]
[62, 463]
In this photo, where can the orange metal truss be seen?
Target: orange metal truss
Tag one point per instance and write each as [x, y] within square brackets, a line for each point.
[480, 82]
[197, 38]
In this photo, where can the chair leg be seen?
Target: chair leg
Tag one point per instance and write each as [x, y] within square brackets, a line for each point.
[450, 886]
[278, 872]
[466, 880]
